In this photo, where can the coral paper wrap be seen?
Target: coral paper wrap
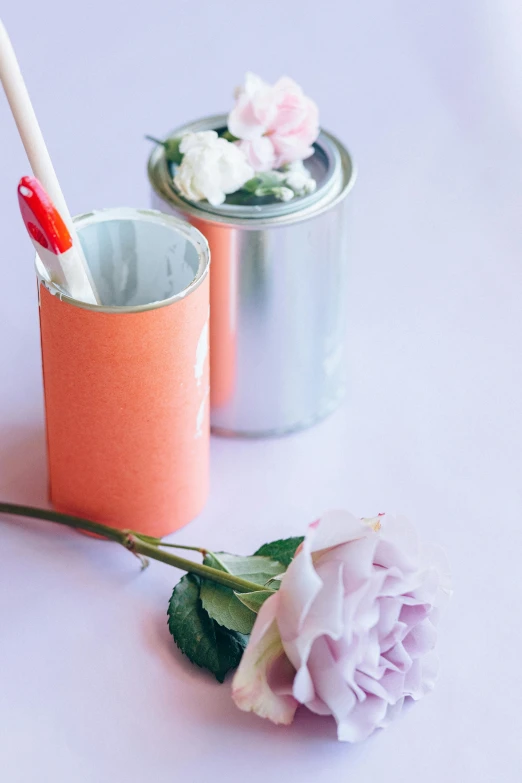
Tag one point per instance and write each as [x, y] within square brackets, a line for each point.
[127, 411]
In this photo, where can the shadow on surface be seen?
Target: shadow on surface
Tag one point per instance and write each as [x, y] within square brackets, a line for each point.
[219, 709]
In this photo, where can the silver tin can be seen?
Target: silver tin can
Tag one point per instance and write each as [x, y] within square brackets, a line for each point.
[277, 294]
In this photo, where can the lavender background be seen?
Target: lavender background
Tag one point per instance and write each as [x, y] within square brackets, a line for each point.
[428, 97]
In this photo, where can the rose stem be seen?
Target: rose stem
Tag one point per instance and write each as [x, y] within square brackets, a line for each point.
[135, 544]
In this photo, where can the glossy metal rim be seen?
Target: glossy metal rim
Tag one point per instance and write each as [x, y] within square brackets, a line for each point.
[337, 186]
[149, 215]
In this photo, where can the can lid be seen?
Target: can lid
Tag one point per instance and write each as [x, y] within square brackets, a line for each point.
[331, 172]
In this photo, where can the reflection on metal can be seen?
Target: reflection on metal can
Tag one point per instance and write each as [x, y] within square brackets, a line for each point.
[277, 294]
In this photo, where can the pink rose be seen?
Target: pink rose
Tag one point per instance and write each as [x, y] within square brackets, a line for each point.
[351, 631]
[277, 124]
[259, 153]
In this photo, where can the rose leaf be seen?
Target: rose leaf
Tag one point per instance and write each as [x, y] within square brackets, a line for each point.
[221, 603]
[254, 600]
[202, 640]
[282, 550]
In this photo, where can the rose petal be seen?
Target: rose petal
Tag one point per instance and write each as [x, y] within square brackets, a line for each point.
[336, 528]
[281, 676]
[413, 685]
[412, 615]
[389, 687]
[324, 615]
[357, 557]
[421, 639]
[254, 110]
[398, 633]
[363, 720]
[300, 586]
[397, 659]
[259, 153]
[303, 688]
[392, 712]
[251, 690]
[328, 680]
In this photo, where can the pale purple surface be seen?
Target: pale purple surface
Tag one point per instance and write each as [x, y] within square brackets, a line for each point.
[429, 98]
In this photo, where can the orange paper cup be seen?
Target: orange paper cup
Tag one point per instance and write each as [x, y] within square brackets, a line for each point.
[126, 383]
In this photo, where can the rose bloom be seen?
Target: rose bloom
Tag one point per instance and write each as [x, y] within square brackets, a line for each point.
[351, 631]
[211, 168]
[277, 124]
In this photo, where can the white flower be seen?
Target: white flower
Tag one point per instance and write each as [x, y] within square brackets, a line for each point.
[299, 179]
[284, 194]
[211, 168]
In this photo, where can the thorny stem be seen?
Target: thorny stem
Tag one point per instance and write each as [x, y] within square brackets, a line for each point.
[139, 544]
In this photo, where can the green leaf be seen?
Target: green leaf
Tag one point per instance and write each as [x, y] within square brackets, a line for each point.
[271, 179]
[202, 640]
[171, 147]
[265, 180]
[221, 603]
[254, 568]
[229, 136]
[252, 185]
[224, 608]
[254, 600]
[172, 153]
[282, 550]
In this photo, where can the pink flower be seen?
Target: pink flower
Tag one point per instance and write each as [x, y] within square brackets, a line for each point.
[351, 631]
[277, 124]
[259, 153]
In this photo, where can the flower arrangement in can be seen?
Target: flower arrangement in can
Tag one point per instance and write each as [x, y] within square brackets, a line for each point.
[259, 156]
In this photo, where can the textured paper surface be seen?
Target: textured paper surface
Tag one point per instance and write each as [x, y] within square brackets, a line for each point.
[126, 398]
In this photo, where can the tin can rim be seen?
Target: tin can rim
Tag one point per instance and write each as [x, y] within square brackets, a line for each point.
[336, 187]
[149, 215]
